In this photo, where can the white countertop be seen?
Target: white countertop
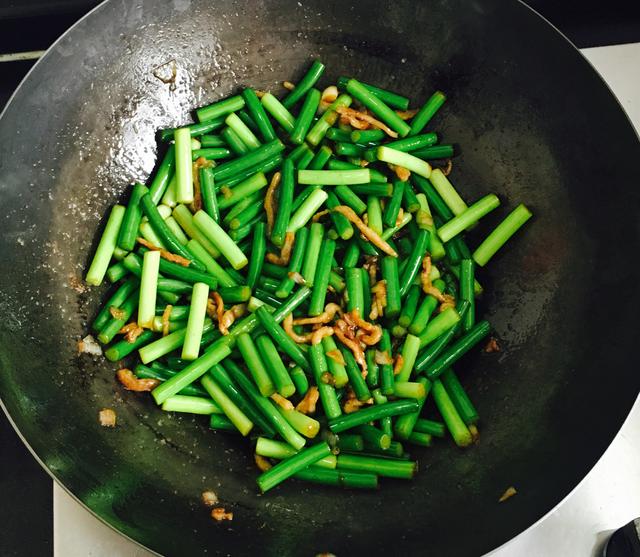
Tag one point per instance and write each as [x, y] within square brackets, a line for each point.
[608, 497]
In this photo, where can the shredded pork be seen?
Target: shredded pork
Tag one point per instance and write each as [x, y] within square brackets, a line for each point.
[164, 253]
[401, 172]
[397, 367]
[262, 463]
[380, 300]
[407, 114]
[363, 120]
[330, 311]
[308, 403]
[383, 358]
[369, 234]
[449, 302]
[372, 333]
[131, 331]
[132, 383]
[269, 200]
[285, 251]
[287, 325]
[425, 280]
[336, 355]
[319, 215]
[352, 404]
[229, 317]
[166, 314]
[117, 313]
[319, 334]
[282, 402]
[353, 345]
[217, 306]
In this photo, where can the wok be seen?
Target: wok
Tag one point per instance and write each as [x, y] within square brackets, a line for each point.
[536, 124]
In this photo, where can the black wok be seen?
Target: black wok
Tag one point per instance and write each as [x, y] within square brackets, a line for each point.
[536, 124]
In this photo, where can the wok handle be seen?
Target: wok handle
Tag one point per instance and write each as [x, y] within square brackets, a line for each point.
[625, 541]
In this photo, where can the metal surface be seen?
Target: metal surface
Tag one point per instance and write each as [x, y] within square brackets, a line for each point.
[536, 124]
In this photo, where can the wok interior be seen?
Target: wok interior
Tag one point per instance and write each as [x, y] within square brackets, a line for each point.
[522, 105]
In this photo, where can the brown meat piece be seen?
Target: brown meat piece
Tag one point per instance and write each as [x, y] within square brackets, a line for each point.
[107, 417]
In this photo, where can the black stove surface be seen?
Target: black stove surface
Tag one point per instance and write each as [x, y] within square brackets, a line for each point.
[26, 515]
